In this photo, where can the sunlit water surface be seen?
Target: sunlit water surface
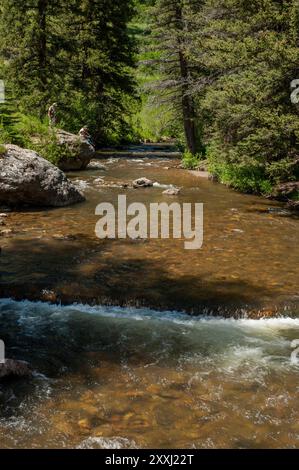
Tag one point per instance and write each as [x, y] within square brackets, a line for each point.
[249, 259]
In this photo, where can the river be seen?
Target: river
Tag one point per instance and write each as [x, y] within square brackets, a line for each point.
[145, 373]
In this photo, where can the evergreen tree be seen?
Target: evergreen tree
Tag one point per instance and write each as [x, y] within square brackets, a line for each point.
[30, 46]
[77, 53]
[251, 53]
[101, 61]
[171, 32]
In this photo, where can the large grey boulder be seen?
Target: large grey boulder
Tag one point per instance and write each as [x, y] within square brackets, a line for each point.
[28, 179]
[81, 151]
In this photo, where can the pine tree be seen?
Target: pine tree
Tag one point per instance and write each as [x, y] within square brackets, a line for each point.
[101, 62]
[30, 47]
[251, 52]
[77, 53]
[171, 37]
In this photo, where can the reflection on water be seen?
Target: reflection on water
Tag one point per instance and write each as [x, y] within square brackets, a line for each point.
[249, 259]
[123, 378]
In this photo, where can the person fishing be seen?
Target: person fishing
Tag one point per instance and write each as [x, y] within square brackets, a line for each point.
[85, 135]
[52, 114]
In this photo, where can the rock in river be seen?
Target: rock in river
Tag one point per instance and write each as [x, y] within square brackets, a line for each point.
[142, 183]
[28, 179]
[13, 368]
[286, 191]
[81, 151]
[172, 192]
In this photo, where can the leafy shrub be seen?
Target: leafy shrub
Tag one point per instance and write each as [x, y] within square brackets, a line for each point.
[38, 136]
[191, 161]
[2, 150]
[248, 175]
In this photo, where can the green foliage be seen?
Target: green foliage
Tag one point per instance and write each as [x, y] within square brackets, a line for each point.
[248, 55]
[49, 149]
[39, 136]
[191, 161]
[214, 74]
[152, 120]
[31, 128]
[8, 123]
[246, 176]
[2, 150]
[79, 54]
[283, 170]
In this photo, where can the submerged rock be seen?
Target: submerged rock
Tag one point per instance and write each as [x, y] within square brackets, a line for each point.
[81, 151]
[172, 192]
[28, 179]
[13, 368]
[93, 165]
[142, 183]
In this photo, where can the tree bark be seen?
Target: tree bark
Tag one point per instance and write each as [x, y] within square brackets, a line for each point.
[188, 107]
[42, 42]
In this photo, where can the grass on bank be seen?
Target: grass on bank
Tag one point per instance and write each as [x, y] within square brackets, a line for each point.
[35, 134]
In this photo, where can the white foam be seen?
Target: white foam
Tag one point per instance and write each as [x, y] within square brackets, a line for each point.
[107, 443]
[163, 186]
[212, 342]
[81, 184]
[139, 314]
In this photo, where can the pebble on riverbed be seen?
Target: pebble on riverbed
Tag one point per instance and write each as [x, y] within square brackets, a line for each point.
[2, 219]
[99, 181]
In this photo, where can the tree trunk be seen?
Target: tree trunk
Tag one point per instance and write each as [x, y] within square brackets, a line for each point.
[42, 46]
[188, 107]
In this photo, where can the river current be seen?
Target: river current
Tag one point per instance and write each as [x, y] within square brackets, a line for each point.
[153, 376]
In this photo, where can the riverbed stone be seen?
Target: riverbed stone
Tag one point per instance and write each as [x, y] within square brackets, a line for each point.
[142, 183]
[294, 205]
[288, 192]
[28, 179]
[172, 192]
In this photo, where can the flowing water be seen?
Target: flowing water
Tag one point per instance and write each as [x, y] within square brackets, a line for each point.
[249, 260]
[124, 377]
[118, 378]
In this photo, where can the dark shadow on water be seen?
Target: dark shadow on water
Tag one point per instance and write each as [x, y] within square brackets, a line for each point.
[77, 270]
